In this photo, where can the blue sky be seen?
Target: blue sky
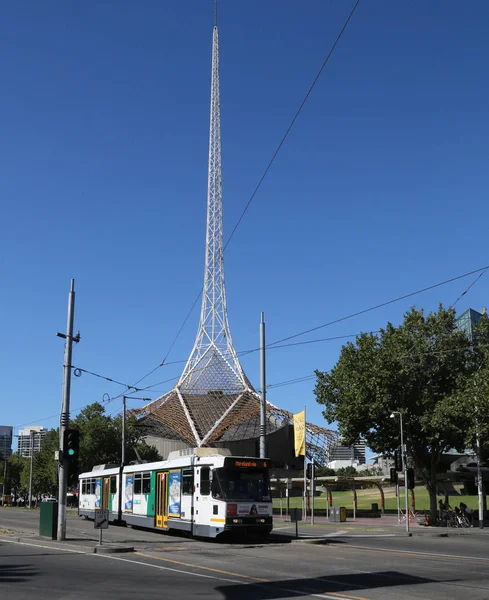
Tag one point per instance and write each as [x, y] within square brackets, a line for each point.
[380, 189]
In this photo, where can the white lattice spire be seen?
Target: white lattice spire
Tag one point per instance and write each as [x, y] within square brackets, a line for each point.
[213, 363]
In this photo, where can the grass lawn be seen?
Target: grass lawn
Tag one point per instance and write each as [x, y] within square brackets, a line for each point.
[365, 498]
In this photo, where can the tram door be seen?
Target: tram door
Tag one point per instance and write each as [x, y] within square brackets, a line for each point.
[106, 492]
[161, 501]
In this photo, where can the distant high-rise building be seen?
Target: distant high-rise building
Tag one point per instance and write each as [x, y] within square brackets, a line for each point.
[468, 320]
[353, 454]
[5, 440]
[26, 444]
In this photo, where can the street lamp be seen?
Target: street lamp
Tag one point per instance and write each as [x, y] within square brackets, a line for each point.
[404, 466]
[123, 448]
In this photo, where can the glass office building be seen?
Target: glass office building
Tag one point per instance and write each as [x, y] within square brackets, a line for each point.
[5, 441]
[468, 320]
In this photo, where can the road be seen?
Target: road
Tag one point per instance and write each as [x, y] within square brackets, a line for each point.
[357, 568]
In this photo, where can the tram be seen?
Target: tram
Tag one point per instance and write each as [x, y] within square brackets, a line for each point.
[203, 491]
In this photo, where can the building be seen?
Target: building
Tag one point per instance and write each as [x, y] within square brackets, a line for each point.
[345, 456]
[5, 440]
[468, 321]
[25, 444]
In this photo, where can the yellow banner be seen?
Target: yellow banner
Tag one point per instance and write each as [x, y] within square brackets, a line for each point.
[300, 433]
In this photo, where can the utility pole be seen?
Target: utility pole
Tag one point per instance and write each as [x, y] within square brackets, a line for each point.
[404, 466]
[65, 414]
[263, 400]
[480, 490]
[4, 479]
[123, 448]
[30, 471]
[313, 488]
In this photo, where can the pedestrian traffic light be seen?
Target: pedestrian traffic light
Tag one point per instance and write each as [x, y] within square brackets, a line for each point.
[393, 475]
[309, 471]
[71, 445]
[410, 479]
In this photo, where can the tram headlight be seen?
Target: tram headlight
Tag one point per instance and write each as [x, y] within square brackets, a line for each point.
[237, 521]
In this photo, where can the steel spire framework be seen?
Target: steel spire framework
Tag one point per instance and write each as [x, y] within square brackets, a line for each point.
[213, 400]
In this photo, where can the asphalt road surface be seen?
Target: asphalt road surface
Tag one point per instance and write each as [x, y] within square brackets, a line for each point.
[357, 568]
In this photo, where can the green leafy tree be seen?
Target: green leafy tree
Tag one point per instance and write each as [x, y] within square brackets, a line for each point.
[101, 438]
[15, 484]
[415, 369]
[474, 393]
[325, 472]
[346, 472]
[45, 466]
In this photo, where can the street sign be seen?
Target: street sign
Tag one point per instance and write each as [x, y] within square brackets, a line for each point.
[289, 484]
[101, 519]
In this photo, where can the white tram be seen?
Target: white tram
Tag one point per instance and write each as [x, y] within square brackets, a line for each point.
[204, 491]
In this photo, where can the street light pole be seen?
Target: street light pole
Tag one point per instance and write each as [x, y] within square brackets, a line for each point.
[123, 449]
[404, 467]
[4, 479]
[30, 471]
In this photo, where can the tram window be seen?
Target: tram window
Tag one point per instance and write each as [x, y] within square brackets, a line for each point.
[113, 485]
[92, 485]
[205, 484]
[146, 483]
[137, 483]
[188, 481]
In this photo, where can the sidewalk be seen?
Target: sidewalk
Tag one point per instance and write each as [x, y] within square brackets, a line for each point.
[385, 525]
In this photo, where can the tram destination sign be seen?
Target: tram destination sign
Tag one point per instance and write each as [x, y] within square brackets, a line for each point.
[246, 463]
[101, 520]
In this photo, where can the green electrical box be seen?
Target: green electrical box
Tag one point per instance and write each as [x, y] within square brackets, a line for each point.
[48, 522]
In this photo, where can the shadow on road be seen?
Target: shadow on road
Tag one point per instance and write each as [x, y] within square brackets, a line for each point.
[351, 582]
[16, 573]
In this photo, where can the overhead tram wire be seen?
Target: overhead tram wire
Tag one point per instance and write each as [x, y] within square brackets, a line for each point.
[468, 288]
[381, 305]
[265, 173]
[284, 137]
[275, 345]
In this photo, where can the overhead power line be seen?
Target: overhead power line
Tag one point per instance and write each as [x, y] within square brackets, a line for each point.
[262, 178]
[470, 286]
[294, 119]
[376, 306]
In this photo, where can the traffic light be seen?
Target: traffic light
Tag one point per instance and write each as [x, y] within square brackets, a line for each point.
[71, 446]
[393, 475]
[398, 460]
[410, 479]
[309, 471]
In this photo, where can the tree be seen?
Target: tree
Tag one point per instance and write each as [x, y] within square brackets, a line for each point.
[415, 369]
[474, 392]
[45, 466]
[101, 438]
[346, 472]
[325, 472]
[16, 465]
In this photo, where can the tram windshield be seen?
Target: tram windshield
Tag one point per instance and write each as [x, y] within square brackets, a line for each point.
[233, 484]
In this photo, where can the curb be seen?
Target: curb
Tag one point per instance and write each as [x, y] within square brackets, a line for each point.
[65, 545]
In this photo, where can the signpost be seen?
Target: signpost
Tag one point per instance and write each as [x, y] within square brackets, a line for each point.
[101, 521]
